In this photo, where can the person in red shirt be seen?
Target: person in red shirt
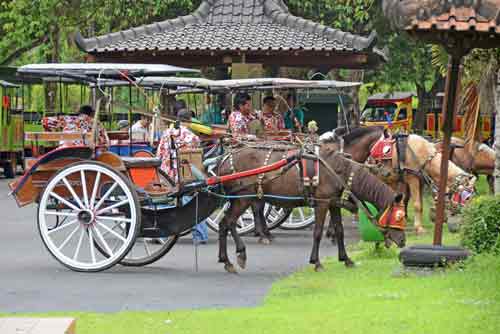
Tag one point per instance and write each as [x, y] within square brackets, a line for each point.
[242, 115]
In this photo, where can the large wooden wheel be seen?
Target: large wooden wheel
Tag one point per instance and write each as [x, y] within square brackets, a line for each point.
[85, 208]
[288, 219]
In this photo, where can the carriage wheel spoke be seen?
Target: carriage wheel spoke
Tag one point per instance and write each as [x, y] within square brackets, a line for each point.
[62, 227]
[111, 231]
[302, 216]
[60, 213]
[68, 238]
[99, 235]
[114, 206]
[84, 189]
[65, 202]
[77, 250]
[91, 245]
[73, 193]
[118, 219]
[146, 248]
[94, 190]
[106, 195]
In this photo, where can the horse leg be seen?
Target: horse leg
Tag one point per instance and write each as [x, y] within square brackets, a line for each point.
[261, 229]
[336, 220]
[320, 213]
[241, 253]
[228, 223]
[330, 231]
[416, 192]
[491, 183]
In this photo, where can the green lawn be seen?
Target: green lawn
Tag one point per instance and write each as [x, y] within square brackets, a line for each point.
[376, 296]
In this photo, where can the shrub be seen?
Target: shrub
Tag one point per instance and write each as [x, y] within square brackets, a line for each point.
[481, 225]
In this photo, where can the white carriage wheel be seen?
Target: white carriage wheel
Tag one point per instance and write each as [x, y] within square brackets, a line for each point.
[72, 227]
[299, 218]
[148, 250]
[245, 224]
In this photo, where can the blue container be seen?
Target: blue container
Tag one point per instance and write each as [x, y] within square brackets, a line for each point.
[125, 150]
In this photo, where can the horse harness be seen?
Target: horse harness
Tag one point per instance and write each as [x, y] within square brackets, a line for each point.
[401, 144]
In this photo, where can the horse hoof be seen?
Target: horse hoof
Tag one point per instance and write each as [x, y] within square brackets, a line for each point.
[230, 268]
[242, 261]
[319, 268]
[264, 241]
[349, 264]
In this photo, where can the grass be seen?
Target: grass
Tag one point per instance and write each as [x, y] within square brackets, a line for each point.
[375, 297]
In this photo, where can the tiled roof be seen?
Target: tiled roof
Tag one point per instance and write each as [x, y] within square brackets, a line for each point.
[457, 15]
[231, 25]
[457, 19]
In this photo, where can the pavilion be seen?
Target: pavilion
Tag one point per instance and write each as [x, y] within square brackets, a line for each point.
[224, 32]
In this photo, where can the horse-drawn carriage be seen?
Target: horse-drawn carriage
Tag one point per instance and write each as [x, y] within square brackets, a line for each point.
[96, 209]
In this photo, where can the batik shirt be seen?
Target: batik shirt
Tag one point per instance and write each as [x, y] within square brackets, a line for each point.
[81, 124]
[238, 123]
[273, 122]
[183, 138]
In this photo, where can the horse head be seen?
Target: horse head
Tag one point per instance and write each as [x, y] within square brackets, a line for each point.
[392, 223]
[462, 190]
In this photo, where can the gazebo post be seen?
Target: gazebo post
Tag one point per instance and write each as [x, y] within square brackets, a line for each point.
[452, 88]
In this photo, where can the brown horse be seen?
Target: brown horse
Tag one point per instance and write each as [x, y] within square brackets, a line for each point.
[421, 159]
[479, 160]
[285, 189]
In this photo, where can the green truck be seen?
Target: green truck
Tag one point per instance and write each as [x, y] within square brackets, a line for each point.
[11, 128]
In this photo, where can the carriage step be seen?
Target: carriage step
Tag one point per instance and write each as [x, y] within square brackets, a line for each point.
[38, 325]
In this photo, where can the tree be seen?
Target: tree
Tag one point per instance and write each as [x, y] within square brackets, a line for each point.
[410, 61]
[355, 16]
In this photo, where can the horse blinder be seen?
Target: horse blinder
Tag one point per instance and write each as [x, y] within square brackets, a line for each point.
[393, 217]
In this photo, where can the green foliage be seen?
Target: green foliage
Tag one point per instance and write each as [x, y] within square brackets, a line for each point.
[481, 228]
[348, 15]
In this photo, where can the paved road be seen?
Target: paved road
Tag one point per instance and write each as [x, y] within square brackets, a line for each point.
[32, 281]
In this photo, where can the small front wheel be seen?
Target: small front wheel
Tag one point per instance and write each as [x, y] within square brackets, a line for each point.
[84, 205]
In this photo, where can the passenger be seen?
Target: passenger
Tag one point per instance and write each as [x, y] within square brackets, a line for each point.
[273, 121]
[294, 117]
[241, 116]
[140, 130]
[174, 138]
[82, 123]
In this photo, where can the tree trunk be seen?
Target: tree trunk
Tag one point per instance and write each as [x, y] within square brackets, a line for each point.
[497, 141]
[424, 105]
[354, 111]
[50, 89]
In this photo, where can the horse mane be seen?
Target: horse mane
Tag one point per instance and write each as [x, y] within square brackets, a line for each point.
[352, 135]
[366, 186]
[359, 132]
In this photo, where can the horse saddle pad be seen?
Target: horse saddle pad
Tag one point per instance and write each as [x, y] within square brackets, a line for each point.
[382, 150]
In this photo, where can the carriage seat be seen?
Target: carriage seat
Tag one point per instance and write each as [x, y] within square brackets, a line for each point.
[133, 162]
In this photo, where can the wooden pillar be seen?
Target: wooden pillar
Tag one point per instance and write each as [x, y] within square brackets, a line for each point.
[452, 87]
[223, 100]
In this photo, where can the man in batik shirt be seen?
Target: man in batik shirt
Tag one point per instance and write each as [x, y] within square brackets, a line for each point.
[241, 116]
[172, 139]
[82, 123]
[273, 121]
